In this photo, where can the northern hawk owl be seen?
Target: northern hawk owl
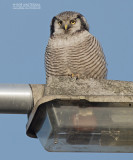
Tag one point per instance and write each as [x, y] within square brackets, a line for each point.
[72, 50]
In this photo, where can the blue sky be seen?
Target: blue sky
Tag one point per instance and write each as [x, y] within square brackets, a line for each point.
[23, 37]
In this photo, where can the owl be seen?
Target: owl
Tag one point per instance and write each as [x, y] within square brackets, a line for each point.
[72, 50]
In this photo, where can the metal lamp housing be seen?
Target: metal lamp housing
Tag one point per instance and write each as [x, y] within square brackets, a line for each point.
[68, 125]
[95, 116]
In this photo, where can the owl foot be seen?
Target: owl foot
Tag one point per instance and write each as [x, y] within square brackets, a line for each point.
[74, 75]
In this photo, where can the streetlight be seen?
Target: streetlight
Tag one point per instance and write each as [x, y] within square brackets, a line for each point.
[74, 115]
[84, 116]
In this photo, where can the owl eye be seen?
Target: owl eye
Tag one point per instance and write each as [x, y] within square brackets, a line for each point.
[60, 23]
[72, 21]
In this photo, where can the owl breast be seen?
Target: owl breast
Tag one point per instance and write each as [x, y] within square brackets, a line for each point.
[79, 55]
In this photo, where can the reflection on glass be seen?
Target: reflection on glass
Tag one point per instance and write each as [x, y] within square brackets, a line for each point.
[84, 126]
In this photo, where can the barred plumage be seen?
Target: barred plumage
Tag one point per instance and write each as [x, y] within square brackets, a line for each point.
[77, 53]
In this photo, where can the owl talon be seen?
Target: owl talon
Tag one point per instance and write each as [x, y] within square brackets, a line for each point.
[74, 75]
[77, 76]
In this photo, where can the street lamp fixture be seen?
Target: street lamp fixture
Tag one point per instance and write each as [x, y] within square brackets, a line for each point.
[81, 121]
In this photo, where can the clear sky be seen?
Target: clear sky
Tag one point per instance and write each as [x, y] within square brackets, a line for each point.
[23, 37]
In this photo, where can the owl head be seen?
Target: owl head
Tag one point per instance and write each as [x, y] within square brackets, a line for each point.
[68, 23]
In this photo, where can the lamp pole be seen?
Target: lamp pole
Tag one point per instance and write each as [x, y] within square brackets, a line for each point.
[19, 98]
[15, 98]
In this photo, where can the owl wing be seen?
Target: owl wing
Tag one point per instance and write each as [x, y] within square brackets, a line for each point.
[95, 59]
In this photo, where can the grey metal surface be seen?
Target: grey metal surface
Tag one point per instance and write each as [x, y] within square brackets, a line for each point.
[37, 91]
[15, 98]
[65, 85]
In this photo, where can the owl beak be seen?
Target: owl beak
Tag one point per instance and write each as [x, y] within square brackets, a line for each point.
[66, 26]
